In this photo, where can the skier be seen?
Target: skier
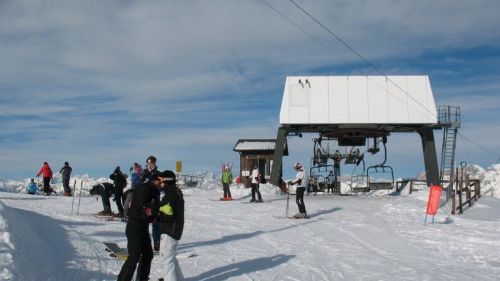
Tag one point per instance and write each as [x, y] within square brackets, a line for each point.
[65, 173]
[171, 218]
[227, 179]
[31, 187]
[46, 173]
[120, 182]
[142, 212]
[105, 190]
[150, 172]
[330, 181]
[298, 182]
[255, 185]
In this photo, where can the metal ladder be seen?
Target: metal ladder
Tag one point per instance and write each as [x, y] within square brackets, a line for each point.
[449, 119]
[448, 153]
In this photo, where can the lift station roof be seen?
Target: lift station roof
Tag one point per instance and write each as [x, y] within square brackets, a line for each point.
[358, 100]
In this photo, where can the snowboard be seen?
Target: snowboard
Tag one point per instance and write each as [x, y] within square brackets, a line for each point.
[222, 199]
[256, 202]
[116, 251]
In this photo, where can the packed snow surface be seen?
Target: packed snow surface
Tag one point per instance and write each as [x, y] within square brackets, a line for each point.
[353, 237]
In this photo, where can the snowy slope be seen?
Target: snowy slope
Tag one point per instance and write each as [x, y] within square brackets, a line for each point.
[347, 238]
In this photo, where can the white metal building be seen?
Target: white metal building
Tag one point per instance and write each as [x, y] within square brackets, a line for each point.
[358, 100]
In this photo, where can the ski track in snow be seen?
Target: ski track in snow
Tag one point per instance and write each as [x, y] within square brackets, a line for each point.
[346, 238]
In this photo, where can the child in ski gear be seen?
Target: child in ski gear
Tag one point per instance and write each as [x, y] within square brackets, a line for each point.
[255, 177]
[120, 182]
[142, 212]
[148, 174]
[171, 218]
[105, 190]
[135, 176]
[298, 182]
[31, 187]
[46, 173]
[227, 179]
[65, 173]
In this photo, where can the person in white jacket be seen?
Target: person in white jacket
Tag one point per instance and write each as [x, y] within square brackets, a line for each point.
[255, 177]
[299, 184]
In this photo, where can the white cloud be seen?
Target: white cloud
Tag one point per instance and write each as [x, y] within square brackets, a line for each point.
[107, 81]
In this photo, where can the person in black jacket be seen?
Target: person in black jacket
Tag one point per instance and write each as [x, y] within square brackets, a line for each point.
[120, 182]
[66, 173]
[171, 218]
[149, 173]
[104, 189]
[141, 213]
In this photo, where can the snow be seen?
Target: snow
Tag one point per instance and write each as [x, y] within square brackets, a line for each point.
[254, 145]
[374, 236]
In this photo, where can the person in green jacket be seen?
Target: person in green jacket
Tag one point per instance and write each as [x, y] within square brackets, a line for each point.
[227, 179]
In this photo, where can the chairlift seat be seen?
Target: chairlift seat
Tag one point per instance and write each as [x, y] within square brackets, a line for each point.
[379, 185]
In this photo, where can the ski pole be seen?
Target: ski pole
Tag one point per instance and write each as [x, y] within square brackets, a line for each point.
[79, 198]
[287, 200]
[73, 202]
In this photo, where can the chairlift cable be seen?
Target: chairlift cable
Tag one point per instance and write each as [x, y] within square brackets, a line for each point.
[359, 55]
[479, 146]
[303, 30]
[465, 148]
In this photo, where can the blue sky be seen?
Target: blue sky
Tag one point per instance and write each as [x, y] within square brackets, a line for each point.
[101, 84]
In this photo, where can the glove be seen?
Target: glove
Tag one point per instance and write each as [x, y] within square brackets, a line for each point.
[148, 212]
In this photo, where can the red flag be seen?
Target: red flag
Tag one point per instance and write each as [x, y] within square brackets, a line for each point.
[434, 197]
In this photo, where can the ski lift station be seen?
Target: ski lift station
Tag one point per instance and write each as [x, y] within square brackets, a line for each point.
[362, 111]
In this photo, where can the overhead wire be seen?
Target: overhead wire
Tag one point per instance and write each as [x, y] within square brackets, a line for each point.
[302, 29]
[480, 146]
[343, 42]
[341, 59]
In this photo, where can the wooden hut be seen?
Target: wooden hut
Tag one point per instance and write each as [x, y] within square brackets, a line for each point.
[256, 152]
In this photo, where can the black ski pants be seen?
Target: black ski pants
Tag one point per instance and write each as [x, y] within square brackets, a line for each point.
[139, 251]
[118, 193]
[227, 192]
[65, 182]
[46, 185]
[255, 189]
[300, 199]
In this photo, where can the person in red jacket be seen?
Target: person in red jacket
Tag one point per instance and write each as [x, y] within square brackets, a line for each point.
[46, 173]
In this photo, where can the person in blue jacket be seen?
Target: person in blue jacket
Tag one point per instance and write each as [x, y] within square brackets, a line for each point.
[31, 187]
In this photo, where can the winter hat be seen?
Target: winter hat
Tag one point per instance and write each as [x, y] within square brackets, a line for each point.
[151, 159]
[166, 176]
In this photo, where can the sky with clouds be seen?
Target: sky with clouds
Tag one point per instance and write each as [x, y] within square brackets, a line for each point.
[107, 83]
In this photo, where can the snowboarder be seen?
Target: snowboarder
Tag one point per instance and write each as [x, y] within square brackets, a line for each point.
[46, 173]
[255, 177]
[105, 190]
[142, 212]
[65, 173]
[171, 218]
[31, 187]
[227, 179]
[149, 173]
[298, 182]
[120, 182]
